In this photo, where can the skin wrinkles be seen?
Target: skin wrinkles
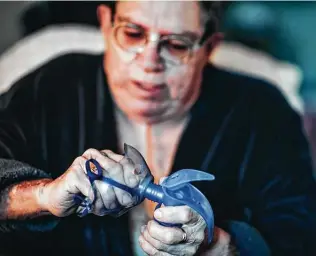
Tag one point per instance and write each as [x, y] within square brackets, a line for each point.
[11, 203]
[182, 83]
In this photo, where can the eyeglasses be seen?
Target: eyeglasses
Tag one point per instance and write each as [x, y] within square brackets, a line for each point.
[176, 49]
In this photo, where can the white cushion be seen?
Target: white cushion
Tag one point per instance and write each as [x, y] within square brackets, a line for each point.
[34, 50]
[239, 58]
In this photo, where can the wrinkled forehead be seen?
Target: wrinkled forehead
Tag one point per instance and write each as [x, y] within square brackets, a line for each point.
[172, 16]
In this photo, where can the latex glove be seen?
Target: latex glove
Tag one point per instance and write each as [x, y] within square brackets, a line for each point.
[57, 196]
[159, 240]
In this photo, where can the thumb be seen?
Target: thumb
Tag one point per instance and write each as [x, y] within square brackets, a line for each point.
[79, 183]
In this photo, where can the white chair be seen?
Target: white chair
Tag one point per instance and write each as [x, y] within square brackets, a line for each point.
[239, 58]
[32, 51]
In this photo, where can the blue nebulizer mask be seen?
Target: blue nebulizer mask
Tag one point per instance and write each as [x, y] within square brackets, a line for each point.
[174, 190]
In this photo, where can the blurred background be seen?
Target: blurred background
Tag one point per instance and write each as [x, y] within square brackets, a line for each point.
[275, 41]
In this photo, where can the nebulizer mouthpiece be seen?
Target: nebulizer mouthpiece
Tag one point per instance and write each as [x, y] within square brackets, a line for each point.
[174, 190]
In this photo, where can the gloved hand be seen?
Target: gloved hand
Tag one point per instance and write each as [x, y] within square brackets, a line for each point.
[159, 240]
[58, 196]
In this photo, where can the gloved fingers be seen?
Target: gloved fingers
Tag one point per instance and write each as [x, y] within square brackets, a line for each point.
[112, 155]
[150, 249]
[105, 194]
[113, 170]
[108, 165]
[166, 235]
[158, 245]
[98, 207]
[177, 214]
[195, 229]
[184, 241]
[195, 234]
[130, 173]
[180, 249]
[77, 181]
[170, 239]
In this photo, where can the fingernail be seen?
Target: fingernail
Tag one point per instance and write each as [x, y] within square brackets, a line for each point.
[158, 214]
[143, 228]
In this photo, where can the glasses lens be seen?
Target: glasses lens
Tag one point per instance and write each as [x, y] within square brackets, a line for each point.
[129, 37]
[175, 49]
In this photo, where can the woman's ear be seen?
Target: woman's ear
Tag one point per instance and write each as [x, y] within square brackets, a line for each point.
[104, 14]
